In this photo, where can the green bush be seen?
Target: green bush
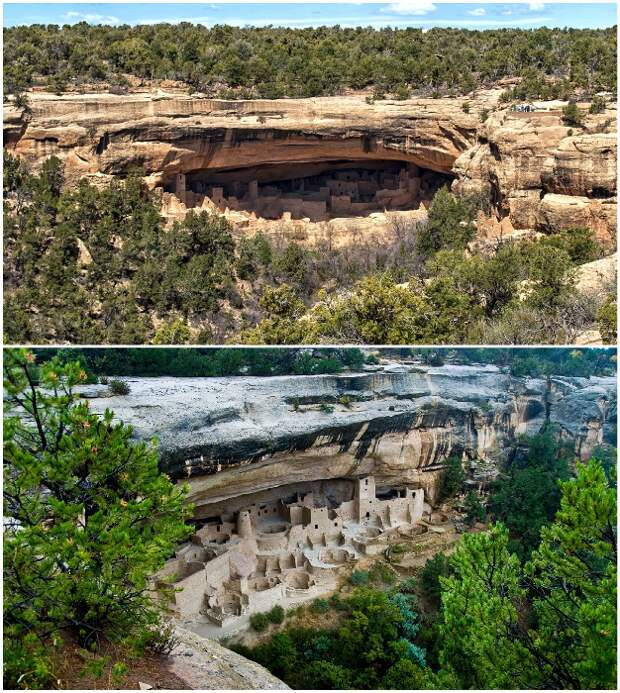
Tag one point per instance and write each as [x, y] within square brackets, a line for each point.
[276, 615]
[119, 387]
[359, 578]
[259, 622]
[382, 573]
[598, 105]
[319, 606]
[607, 318]
[571, 115]
[474, 509]
[449, 224]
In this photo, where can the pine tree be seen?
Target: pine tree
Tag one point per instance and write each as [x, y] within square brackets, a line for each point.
[90, 518]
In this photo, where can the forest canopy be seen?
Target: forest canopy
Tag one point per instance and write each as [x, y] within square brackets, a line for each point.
[273, 62]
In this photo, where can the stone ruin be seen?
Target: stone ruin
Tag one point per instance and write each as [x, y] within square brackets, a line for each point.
[309, 192]
[279, 552]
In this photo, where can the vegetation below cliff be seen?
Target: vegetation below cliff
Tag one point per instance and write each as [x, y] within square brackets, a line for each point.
[97, 265]
[273, 62]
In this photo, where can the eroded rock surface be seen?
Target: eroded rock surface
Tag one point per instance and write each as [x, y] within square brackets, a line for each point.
[245, 435]
[204, 664]
[540, 173]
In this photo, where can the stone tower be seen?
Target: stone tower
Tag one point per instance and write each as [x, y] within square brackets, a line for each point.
[244, 525]
[365, 498]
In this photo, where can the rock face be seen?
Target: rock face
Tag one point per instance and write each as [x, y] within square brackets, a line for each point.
[539, 173]
[204, 664]
[544, 175]
[245, 435]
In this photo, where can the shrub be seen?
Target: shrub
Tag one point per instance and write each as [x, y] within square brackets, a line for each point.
[571, 115]
[259, 622]
[326, 408]
[598, 105]
[382, 573]
[103, 380]
[319, 606]
[607, 318]
[276, 615]
[358, 578]
[345, 400]
[466, 107]
[484, 114]
[434, 568]
[401, 93]
[119, 387]
[176, 332]
[578, 242]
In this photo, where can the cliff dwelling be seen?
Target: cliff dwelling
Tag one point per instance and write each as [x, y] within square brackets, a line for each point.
[285, 548]
[317, 190]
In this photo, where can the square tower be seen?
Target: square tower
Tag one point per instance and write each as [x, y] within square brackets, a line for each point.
[365, 498]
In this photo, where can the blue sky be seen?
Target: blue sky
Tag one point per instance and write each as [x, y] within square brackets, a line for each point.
[416, 13]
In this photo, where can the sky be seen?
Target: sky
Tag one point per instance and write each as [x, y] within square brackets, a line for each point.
[415, 13]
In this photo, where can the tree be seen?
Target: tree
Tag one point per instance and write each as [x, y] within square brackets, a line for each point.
[90, 519]
[551, 624]
[575, 574]
[480, 609]
[449, 225]
[527, 498]
[474, 509]
[452, 478]
[571, 115]
[433, 569]
[598, 105]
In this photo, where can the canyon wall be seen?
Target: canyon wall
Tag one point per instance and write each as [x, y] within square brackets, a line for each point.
[235, 436]
[538, 172]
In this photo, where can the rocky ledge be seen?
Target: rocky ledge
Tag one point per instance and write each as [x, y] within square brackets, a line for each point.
[538, 172]
[242, 435]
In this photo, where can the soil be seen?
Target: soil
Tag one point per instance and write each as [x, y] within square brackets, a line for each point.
[72, 669]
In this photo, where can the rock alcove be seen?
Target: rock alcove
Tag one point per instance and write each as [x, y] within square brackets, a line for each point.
[316, 190]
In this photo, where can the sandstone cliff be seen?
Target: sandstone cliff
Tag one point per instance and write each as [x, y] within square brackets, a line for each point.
[538, 172]
[243, 435]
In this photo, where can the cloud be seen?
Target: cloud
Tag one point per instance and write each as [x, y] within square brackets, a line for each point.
[410, 7]
[534, 6]
[479, 12]
[507, 13]
[91, 18]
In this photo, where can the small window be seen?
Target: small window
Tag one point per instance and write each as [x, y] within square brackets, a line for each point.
[316, 526]
[335, 524]
[367, 514]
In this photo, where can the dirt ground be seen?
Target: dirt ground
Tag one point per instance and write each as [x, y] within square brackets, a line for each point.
[72, 670]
